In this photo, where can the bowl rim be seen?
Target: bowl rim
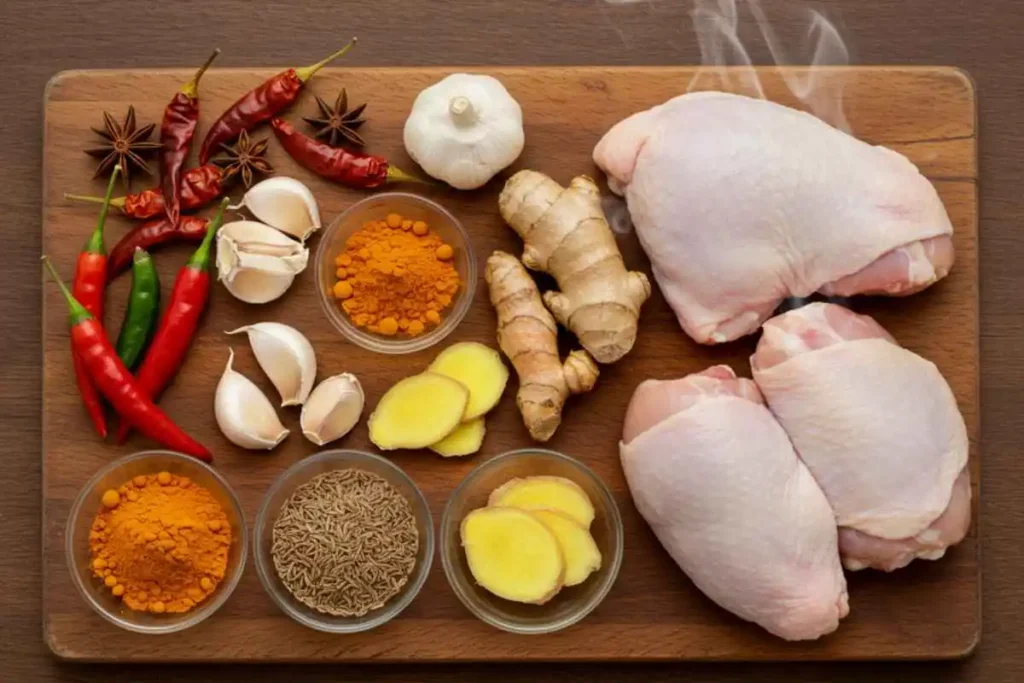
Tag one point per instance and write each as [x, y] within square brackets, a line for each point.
[390, 610]
[617, 542]
[202, 611]
[379, 343]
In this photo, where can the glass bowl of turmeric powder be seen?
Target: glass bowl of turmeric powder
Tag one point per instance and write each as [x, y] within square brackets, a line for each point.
[156, 542]
[396, 273]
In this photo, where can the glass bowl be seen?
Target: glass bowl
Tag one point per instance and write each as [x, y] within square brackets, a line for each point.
[84, 510]
[282, 489]
[571, 604]
[376, 207]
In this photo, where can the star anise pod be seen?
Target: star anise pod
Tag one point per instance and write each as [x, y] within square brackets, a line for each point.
[337, 125]
[244, 158]
[125, 144]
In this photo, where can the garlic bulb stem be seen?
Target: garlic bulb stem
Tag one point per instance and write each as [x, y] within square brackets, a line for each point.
[462, 111]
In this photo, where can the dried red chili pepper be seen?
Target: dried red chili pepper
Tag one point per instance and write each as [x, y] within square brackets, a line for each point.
[176, 131]
[89, 286]
[152, 234]
[261, 103]
[115, 382]
[180, 320]
[355, 169]
[199, 186]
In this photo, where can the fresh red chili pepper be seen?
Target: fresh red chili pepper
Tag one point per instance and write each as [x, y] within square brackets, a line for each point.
[261, 103]
[355, 169]
[152, 234]
[176, 131]
[178, 326]
[199, 186]
[89, 285]
[115, 382]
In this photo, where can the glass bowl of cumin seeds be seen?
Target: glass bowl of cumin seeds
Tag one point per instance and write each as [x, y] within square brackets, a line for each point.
[343, 541]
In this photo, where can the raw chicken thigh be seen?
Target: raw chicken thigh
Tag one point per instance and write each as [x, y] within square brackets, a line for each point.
[878, 427]
[741, 202]
[718, 481]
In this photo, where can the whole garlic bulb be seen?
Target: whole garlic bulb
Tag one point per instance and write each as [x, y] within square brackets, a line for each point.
[257, 263]
[333, 409]
[244, 414]
[464, 129]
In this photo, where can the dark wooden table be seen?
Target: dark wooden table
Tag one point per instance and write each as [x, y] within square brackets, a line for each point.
[39, 38]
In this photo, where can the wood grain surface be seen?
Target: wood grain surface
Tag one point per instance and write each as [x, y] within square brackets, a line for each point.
[653, 612]
[44, 37]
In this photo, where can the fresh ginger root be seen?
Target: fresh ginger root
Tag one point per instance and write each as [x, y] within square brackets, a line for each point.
[466, 439]
[582, 557]
[528, 335]
[512, 554]
[479, 368]
[418, 412]
[566, 235]
[546, 493]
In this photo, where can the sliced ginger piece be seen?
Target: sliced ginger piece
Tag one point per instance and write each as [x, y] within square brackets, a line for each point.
[546, 493]
[418, 411]
[582, 557]
[466, 439]
[479, 368]
[512, 554]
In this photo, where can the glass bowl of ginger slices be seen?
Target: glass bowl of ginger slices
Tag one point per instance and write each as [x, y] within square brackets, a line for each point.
[531, 541]
[396, 273]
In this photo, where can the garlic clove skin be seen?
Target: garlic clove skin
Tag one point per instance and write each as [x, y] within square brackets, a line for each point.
[287, 358]
[257, 263]
[464, 129]
[244, 414]
[284, 204]
[333, 409]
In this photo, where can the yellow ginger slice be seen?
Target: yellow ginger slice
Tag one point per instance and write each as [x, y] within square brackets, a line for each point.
[466, 439]
[418, 411]
[582, 557]
[546, 493]
[512, 554]
[479, 368]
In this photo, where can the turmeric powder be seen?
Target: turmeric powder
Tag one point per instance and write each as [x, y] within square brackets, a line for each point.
[160, 542]
[395, 276]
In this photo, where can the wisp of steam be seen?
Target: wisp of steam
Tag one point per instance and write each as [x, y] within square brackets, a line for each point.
[718, 24]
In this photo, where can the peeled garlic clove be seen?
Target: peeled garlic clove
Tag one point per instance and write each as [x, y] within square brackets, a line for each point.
[244, 413]
[287, 358]
[257, 263]
[284, 204]
[333, 409]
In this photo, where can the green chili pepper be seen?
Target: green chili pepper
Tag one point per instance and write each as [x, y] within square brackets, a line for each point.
[143, 310]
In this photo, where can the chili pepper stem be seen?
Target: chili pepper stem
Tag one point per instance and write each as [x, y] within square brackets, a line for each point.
[397, 175]
[306, 72]
[95, 243]
[75, 309]
[201, 258]
[191, 88]
[116, 202]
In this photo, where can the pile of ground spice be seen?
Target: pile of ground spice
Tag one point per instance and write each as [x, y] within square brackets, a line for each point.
[160, 542]
[395, 276]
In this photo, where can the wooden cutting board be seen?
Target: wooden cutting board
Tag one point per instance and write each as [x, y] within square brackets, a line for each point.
[929, 610]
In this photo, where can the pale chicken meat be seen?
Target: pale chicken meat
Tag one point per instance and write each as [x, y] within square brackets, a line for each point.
[878, 427]
[741, 203]
[718, 481]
